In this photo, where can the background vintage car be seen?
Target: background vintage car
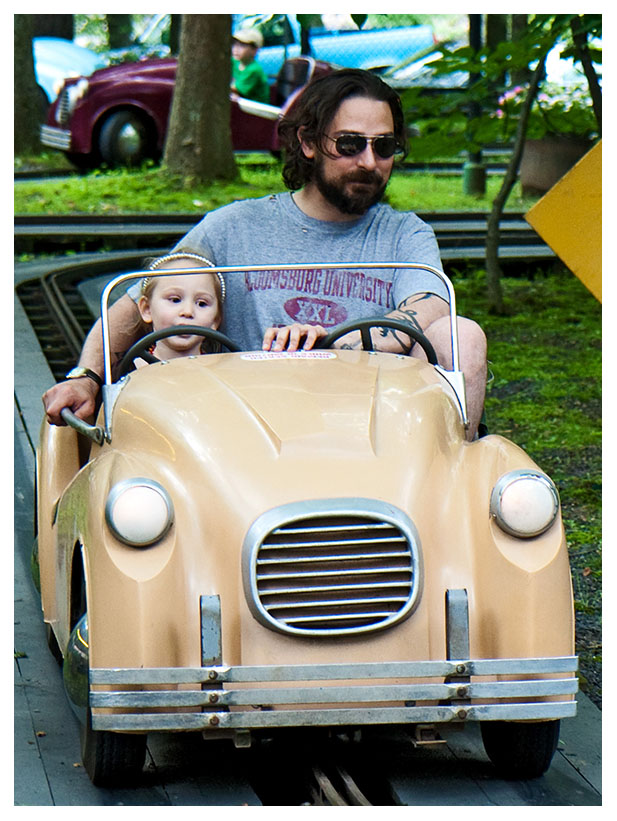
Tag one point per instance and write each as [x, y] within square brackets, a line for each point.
[253, 541]
[119, 114]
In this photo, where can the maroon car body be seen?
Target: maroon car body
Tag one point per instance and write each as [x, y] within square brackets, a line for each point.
[119, 114]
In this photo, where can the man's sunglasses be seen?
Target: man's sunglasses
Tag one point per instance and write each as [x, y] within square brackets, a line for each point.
[348, 145]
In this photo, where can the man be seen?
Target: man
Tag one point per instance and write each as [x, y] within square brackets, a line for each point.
[340, 140]
[248, 78]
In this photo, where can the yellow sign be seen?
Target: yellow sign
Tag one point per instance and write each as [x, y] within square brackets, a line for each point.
[569, 219]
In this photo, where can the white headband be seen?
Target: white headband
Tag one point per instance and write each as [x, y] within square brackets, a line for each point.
[183, 255]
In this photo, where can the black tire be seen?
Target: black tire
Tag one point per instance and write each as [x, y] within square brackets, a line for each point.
[520, 750]
[83, 162]
[125, 139]
[53, 645]
[112, 759]
[35, 570]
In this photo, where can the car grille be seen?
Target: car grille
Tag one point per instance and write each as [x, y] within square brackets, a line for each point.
[62, 107]
[333, 572]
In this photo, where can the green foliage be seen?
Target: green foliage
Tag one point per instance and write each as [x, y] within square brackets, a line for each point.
[147, 190]
[447, 121]
[422, 191]
[124, 191]
[386, 21]
[91, 30]
[308, 21]
[556, 111]
[545, 395]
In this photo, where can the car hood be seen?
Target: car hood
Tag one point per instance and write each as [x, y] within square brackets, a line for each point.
[129, 71]
[333, 414]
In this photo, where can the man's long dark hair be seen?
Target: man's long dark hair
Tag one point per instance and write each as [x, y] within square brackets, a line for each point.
[315, 109]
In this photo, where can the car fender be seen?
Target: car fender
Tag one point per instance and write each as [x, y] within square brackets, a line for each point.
[57, 463]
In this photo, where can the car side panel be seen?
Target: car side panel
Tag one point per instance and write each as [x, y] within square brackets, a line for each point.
[58, 461]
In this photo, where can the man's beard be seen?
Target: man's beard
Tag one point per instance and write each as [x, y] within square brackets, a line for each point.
[356, 203]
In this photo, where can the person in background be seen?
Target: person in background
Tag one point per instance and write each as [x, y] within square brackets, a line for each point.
[248, 78]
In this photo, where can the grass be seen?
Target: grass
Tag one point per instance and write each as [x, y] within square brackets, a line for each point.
[151, 189]
[545, 395]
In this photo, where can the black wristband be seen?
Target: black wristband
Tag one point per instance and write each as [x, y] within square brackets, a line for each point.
[78, 372]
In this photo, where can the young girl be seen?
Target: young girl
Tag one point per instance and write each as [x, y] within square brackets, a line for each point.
[198, 299]
[181, 299]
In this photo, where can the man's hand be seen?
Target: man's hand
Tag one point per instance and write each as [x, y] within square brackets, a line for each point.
[289, 337]
[79, 395]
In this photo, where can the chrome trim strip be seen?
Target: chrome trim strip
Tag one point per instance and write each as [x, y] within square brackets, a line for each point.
[334, 695]
[356, 690]
[211, 638]
[334, 672]
[457, 624]
[311, 718]
[509, 478]
[276, 520]
[55, 137]
[257, 109]
[111, 392]
[116, 491]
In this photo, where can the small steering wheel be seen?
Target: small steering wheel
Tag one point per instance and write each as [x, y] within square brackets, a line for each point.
[365, 325]
[140, 348]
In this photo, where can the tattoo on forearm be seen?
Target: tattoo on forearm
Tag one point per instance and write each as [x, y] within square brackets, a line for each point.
[402, 339]
[407, 313]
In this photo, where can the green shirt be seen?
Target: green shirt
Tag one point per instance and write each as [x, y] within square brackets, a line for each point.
[250, 81]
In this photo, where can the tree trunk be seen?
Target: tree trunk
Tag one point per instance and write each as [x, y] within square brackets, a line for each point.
[120, 30]
[496, 29]
[52, 25]
[27, 96]
[174, 33]
[582, 48]
[496, 32]
[518, 27]
[493, 268]
[198, 145]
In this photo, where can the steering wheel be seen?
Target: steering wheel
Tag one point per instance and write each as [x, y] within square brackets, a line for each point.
[365, 325]
[140, 348]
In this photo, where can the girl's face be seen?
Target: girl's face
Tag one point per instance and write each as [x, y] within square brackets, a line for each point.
[188, 299]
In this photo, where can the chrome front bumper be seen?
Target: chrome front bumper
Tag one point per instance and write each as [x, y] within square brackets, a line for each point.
[453, 696]
[215, 697]
[55, 137]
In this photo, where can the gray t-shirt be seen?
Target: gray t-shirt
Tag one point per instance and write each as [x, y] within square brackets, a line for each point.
[273, 230]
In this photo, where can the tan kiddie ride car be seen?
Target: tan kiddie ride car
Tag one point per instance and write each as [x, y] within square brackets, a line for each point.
[282, 540]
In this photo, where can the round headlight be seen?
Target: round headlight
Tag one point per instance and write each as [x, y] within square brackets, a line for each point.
[138, 511]
[524, 503]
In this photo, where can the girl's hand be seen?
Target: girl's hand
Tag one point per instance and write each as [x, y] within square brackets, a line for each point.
[289, 337]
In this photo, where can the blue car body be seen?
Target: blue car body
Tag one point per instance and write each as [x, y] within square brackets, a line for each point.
[371, 49]
[55, 59]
